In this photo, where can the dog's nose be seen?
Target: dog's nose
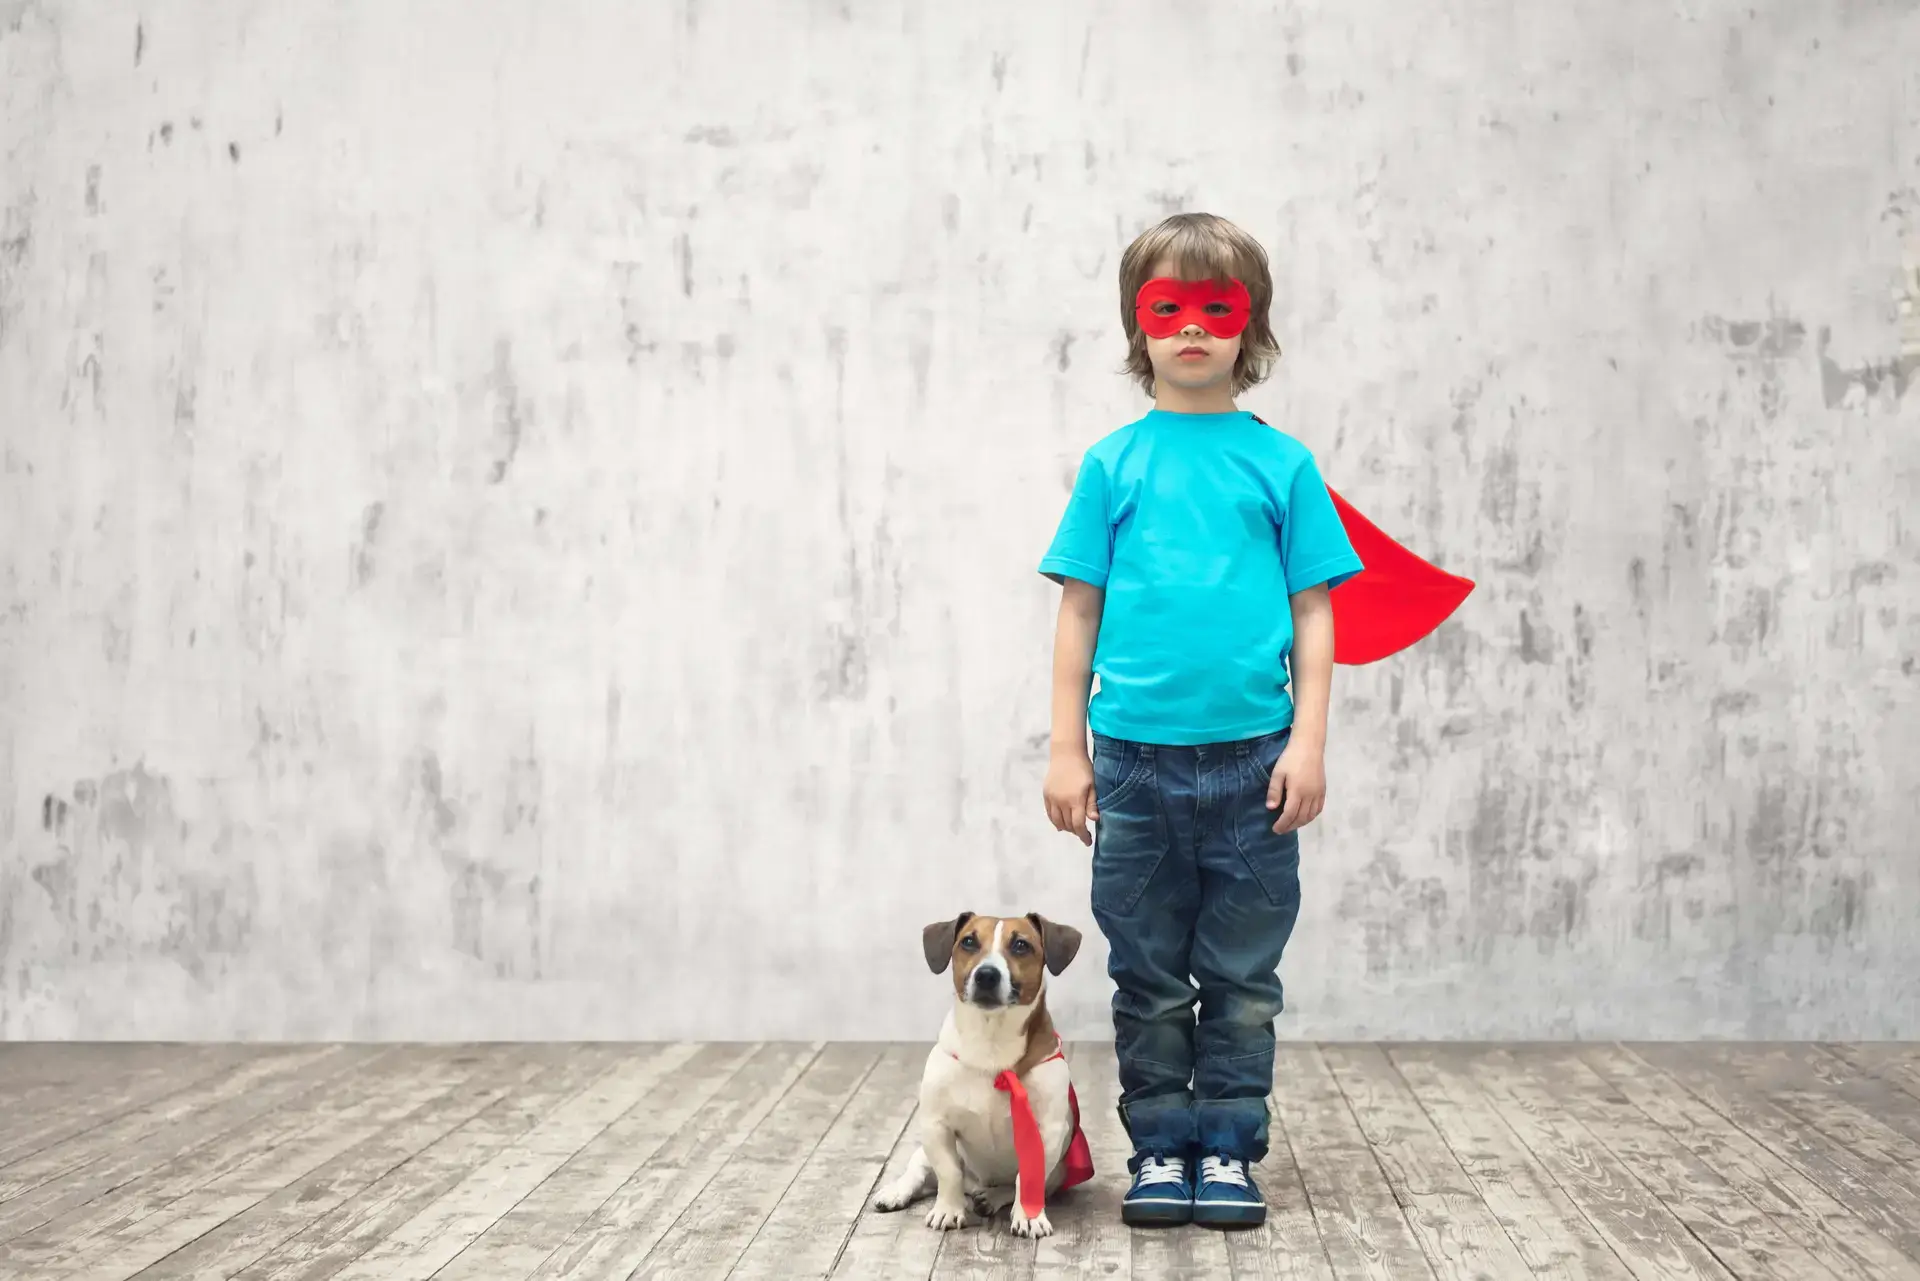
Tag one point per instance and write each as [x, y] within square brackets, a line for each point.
[987, 977]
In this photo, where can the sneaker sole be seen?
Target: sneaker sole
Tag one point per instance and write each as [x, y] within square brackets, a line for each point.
[1229, 1216]
[1156, 1214]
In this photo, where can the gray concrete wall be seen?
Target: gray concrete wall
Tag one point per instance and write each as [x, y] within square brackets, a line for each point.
[518, 520]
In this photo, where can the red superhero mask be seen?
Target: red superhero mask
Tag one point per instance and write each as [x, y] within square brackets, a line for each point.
[1165, 306]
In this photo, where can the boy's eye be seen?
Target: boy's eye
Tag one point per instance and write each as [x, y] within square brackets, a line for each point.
[1021, 947]
[1217, 309]
[970, 944]
[1164, 308]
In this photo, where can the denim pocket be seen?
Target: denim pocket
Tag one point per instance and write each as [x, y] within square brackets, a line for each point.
[1118, 768]
[1130, 838]
[1265, 754]
[1272, 858]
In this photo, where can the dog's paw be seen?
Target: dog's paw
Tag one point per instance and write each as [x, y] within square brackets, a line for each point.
[945, 1218]
[987, 1202]
[889, 1201]
[1037, 1226]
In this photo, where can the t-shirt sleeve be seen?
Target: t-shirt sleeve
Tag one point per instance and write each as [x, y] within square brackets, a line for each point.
[1314, 547]
[1083, 545]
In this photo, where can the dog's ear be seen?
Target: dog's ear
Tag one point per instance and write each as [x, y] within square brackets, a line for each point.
[1062, 942]
[938, 940]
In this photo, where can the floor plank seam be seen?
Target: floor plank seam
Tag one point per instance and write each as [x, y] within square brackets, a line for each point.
[801, 1168]
[268, 1247]
[611, 1068]
[1546, 1168]
[200, 1141]
[505, 1101]
[1393, 1190]
[130, 1109]
[1731, 1185]
[1839, 1195]
[1518, 1244]
[820, 1048]
[210, 1071]
[1306, 1194]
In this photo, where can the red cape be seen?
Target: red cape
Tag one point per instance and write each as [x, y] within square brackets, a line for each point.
[1396, 600]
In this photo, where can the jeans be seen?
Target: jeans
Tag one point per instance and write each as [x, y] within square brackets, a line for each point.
[1197, 896]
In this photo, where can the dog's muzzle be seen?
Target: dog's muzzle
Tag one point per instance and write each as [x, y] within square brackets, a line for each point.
[989, 986]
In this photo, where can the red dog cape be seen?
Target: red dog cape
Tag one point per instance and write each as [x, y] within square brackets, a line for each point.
[1396, 600]
[1030, 1149]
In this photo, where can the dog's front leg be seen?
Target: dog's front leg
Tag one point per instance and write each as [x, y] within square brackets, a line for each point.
[1055, 1134]
[914, 1182]
[1020, 1224]
[950, 1199]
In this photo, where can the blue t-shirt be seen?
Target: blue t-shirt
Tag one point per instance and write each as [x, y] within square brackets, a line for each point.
[1199, 527]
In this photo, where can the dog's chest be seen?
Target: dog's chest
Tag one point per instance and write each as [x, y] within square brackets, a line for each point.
[983, 1123]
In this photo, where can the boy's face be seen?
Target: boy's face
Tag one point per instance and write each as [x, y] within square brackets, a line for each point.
[1190, 358]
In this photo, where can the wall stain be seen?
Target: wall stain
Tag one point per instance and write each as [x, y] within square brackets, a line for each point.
[16, 242]
[509, 412]
[1063, 351]
[1500, 487]
[920, 362]
[440, 811]
[1536, 643]
[683, 257]
[1776, 338]
[1871, 381]
[364, 552]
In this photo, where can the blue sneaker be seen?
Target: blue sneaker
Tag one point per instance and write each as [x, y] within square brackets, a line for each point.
[1227, 1197]
[1161, 1195]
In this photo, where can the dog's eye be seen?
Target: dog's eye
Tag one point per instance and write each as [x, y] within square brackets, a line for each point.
[970, 944]
[1021, 947]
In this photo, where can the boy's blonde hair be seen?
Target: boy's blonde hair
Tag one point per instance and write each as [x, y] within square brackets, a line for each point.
[1201, 246]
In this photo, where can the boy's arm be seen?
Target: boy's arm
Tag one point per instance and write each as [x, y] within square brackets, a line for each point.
[1069, 785]
[1299, 786]
[1312, 663]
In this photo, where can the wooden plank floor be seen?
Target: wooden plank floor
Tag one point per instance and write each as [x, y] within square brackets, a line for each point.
[1396, 1162]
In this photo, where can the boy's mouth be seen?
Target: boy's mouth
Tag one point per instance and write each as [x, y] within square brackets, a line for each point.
[1190, 353]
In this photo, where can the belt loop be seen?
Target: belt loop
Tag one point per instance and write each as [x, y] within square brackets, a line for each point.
[1243, 748]
[1146, 751]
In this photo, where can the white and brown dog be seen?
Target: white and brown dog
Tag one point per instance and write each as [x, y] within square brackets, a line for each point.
[995, 1075]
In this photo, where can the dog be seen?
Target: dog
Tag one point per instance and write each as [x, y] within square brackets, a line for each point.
[997, 1047]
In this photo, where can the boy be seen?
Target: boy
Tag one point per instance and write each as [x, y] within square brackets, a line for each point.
[1195, 558]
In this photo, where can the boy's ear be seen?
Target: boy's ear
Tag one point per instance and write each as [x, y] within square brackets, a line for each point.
[938, 939]
[1060, 942]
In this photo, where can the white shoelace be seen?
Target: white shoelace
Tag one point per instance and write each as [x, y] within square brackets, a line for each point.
[1162, 1170]
[1215, 1169]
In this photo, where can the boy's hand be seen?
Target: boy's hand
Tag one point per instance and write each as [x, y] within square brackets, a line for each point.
[1299, 786]
[1069, 792]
